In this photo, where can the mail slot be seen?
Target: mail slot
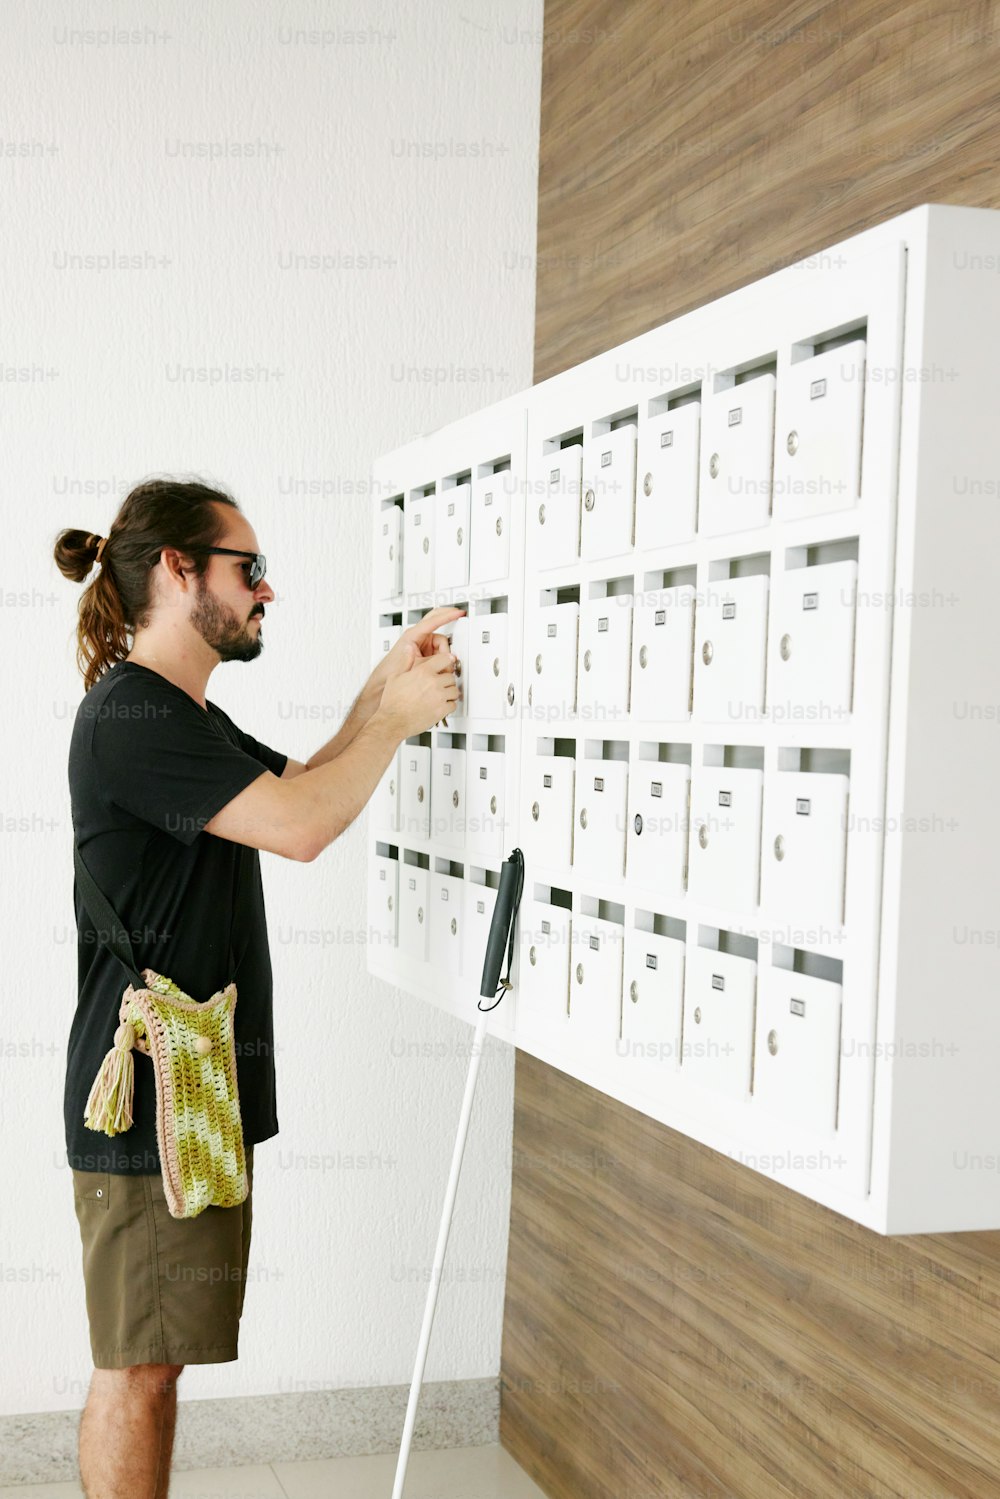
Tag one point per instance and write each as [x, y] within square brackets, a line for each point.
[724, 842]
[415, 792]
[554, 509]
[719, 990]
[544, 934]
[608, 516]
[662, 652]
[666, 501]
[447, 918]
[604, 661]
[451, 537]
[418, 549]
[817, 459]
[652, 1010]
[388, 553]
[730, 641]
[797, 1050]
[486, 772]
[599, 823]
[547, 812]
[737, 442]
[448, 795]
[414, 915]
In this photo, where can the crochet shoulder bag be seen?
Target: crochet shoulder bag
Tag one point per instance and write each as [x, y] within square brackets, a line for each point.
[199, 1130]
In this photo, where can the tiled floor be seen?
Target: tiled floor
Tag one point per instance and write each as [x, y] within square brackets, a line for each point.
[465, 1473]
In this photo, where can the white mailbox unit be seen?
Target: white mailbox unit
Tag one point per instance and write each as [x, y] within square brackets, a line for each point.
[732, 697]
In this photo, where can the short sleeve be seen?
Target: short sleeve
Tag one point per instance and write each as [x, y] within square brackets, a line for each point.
[272, 759]
[161, 757]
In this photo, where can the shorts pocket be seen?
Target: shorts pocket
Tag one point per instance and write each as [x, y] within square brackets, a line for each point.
[92, 1186]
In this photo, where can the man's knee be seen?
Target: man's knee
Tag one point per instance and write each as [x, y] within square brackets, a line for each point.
[152, 1379]
[158, 1375]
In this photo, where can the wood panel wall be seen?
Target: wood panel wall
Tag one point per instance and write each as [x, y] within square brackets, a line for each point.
[676, 1324]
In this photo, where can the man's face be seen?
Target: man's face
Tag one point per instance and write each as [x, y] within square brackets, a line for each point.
[226, 613]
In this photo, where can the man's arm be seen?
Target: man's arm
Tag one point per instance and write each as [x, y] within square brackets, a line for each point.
[298, 821]
[364, 706]
[419, 640]
[299, 815]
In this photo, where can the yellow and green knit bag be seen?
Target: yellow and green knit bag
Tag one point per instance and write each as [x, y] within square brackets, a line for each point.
[192, 1045]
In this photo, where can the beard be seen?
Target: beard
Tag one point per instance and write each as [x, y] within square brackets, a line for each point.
[233, 639]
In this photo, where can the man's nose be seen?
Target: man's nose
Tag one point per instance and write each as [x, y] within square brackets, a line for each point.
[264, 593]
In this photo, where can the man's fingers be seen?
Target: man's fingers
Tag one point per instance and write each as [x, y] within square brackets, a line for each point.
[440, 616]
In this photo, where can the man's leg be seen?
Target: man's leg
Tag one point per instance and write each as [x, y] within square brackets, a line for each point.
[124, 1447]
[167, 1433]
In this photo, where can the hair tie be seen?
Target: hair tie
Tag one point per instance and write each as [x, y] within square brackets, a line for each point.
[102, 542]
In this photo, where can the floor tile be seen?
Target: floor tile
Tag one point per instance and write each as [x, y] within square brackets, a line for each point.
[461, 1473]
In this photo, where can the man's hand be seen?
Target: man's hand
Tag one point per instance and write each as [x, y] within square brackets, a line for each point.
[418, 640]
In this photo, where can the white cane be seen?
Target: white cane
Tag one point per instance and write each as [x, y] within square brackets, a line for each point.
[501, 937]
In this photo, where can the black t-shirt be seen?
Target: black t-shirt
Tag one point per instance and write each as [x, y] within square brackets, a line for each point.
[148, 767]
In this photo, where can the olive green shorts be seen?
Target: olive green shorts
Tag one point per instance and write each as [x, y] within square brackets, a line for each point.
[160, 1290]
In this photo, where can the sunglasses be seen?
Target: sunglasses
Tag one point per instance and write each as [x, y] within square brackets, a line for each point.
[257, 564]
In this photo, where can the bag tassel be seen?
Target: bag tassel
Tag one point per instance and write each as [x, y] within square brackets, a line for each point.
[109, 1107]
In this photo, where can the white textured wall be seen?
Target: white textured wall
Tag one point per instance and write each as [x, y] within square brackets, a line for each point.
[408, 136]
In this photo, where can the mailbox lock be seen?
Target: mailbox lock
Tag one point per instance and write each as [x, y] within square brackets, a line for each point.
[697, 1015]
[634, 992]
[493, 805]
[427, 543]
[454, 798]
[390, 902]
[703, 835]
[792, 442]
[638, 824]
[779, 847]
[496, 666]
[772, 1042]
[536, 811]
[458, 668]
[538, 665]
[532, 957]
[392, 786]
[454, 926]
[579, 973]
[644, 657]
[587, 660]
[541, 515]
[713, 465]
[392, 553]
[420, 793]
[647, 484]
[420, 914]
[499, 525]
[510, 694]
[786, 647]
[458, 536]
[707, 652]
[583, 817]
[590, 499]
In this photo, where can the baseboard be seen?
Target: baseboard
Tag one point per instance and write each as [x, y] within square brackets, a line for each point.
[272, 1428]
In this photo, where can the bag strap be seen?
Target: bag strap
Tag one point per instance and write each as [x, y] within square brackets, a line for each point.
[112, 933]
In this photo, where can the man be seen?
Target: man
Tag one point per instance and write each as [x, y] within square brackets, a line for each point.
[171, 803]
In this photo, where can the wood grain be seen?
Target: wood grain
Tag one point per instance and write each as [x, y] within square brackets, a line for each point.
[688, 149]
[676, 1324]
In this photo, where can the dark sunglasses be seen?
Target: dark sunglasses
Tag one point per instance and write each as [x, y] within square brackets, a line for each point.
[258, 562]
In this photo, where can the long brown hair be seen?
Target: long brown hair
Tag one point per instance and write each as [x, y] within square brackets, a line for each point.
[157, 513]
